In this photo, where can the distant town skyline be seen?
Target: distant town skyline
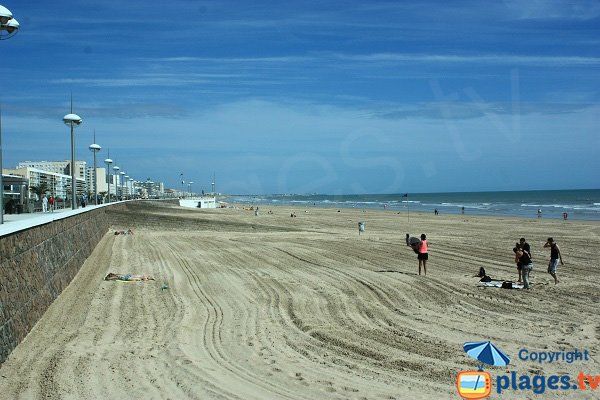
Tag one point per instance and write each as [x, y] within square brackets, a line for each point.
[302, 97]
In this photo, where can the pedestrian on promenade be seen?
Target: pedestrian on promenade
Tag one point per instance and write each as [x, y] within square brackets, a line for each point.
[44, 203]
[51, 203]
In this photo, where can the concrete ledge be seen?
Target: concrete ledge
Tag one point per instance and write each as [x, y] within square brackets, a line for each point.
[18, 222]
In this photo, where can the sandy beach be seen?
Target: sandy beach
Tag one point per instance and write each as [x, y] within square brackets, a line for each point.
[274, 307]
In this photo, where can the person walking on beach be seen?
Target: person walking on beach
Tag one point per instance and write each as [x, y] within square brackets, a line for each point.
[44, 203]
[518, 262]
[522, 257]
[423, 254]
[555, 257]
[525, 246]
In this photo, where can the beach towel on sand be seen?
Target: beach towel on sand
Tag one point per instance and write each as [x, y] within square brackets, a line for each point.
[500, 284]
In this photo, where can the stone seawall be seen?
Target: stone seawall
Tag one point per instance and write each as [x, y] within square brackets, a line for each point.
[36, 264]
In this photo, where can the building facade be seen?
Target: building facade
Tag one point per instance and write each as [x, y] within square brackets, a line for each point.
[57, 185]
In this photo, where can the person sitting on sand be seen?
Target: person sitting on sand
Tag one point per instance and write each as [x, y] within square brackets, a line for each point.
[484, 277]
[127, 277]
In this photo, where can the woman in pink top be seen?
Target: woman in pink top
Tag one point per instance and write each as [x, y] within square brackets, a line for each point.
[423, 255]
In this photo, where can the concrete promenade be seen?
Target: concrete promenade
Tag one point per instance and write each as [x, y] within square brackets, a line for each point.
[18, 222]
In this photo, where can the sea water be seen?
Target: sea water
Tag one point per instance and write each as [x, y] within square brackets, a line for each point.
[578, 204]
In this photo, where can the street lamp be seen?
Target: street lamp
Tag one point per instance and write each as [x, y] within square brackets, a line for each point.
[73, 120]
[94, 148]
[8, 28]
[182, 186]
[108, 161]
[190, 188]
[116, 169]
[8, 25]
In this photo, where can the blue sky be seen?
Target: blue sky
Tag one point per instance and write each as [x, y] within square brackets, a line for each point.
[312, 96]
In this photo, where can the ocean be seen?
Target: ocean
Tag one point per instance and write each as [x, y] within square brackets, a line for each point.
[578, 204]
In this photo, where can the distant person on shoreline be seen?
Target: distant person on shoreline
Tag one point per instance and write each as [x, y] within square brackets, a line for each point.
[555, 257]
[539, 213]
[423, 254]
[436, 212]
[462, 210]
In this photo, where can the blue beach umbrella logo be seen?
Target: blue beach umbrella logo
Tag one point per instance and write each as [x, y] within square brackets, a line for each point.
[486, 353]
[478, 384]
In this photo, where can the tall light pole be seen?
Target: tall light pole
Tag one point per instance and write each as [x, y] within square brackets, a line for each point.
[213, 184]
[108, 161]
[116, 169]
[190, 188]
[182, 186]
[8, 28]
[94, 148]
[73, 120]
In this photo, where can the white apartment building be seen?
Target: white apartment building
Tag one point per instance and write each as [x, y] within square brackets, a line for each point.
[59, 167]
[59, 185]
[101, 182]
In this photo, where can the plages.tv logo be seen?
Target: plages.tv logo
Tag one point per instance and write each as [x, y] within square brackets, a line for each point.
[478, 384]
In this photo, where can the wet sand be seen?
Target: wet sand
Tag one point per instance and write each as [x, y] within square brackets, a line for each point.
[274, 307]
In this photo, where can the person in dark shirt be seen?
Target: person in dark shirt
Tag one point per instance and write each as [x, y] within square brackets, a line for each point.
[519, 265]
[522, 256]
[555, 257]
[525, 246]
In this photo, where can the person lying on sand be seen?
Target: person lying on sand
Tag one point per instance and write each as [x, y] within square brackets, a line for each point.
[127, 277]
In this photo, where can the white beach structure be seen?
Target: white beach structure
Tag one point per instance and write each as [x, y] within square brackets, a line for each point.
[201, 202]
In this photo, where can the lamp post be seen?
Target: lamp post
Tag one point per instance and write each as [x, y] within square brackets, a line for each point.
[108, 161]
[94, 148]
[116, 169]
[122, 176]
[182, 186]
[8, 25]
[8, 28]
[73, 120]
[190, 188]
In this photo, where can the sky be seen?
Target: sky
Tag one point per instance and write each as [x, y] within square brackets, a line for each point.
[330, 97]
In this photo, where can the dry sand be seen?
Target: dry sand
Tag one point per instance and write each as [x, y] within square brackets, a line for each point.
[273, 307]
